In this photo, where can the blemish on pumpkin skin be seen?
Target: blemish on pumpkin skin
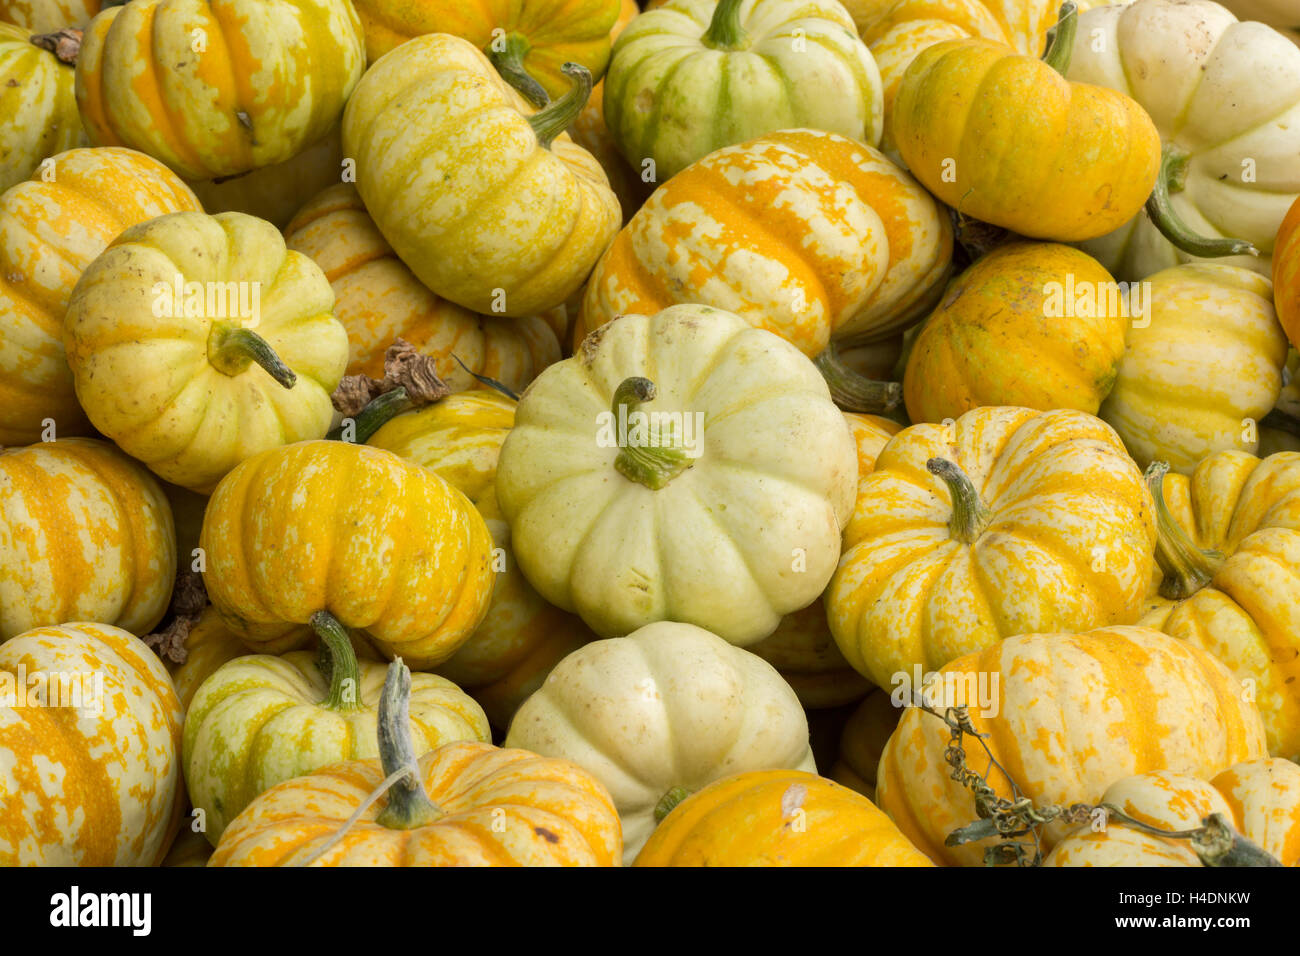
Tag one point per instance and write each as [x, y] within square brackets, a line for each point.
[546, 835]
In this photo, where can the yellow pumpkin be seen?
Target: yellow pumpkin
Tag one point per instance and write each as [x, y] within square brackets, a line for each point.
[50, 230]
[522, 637]
[89, 772]
[378, 300]
[1006, 139]
[198, 341]
[46, 16]
[467, 804]
[209, 644]
[1006, 521]
[1201, 368]
[1066, 715]
[806, 234]
[39, 105]
[217, 89]
[1038, 325]
[1228, 539]
[386, 546]
[862, 741]
[1260, 799]
[528, 41]
[86, 535]
[778, 818]
[491, 208]
[276, 193]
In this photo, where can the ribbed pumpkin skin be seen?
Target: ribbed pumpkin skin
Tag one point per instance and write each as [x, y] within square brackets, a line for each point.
[750, 820]
[276, 193]
[46, 16]
[1259, 798]
[208, 645]
[1033, 153]
[994, 341]
[1225, 93]
[149, 381]
[714, 546]
[670, 705]
[49, 233]
[38, 103]
[673, 97]
[522, 637]
[554, 814]
[261, 720]
[460, 185]
[803, 233]
[572, 31]
[1249, 614]
[863, 740]
[271, 81]
[80, 789]
[1286, 273]
[378, 300]
[85, 535]
[1072, 714]
[385, 546]
[1210, 357]
[1068, 544]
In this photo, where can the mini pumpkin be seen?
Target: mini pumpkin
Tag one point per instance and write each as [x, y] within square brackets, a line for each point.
[385, 546]
[89, 773]
[86, 535]
[469, 804]
[863, 739]
[1065, 715]
[197, 341]
[39, 105]
[491, 208]
[661, 713]
[778, 818]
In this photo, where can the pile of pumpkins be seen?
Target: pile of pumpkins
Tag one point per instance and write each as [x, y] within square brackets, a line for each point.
[470, 432]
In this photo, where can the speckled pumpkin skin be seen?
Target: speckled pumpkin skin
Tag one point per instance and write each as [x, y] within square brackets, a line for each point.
[1286, 273]
[384, 545]
[46, 16]
[49, 233]
[1071, 715]
[270, 81]
[85, 535]
[38, 104]
[554, 814]
[89, 790]
[750, 820]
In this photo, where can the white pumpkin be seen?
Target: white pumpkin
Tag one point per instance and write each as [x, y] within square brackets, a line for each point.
[669, 706]
[733, 527]
[1225, 97]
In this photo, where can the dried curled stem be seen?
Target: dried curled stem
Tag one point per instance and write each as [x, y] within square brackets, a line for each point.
[404, 367]
[189, 599]
[65, 44]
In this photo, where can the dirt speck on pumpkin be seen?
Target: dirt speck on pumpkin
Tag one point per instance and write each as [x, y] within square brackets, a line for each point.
[546, 835]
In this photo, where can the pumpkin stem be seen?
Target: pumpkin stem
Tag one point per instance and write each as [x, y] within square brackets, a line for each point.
[408, 805]
[559, 116]
[232, 348]
[376, 413]
[510, 64]
[338, 661]
[1218, 844]
[668, 801]
[1186, 567]
[646, 456]
[970, 516]
[724, 31]
[1173, 175]
[853, 392]
[65, 44]
[1060, 39]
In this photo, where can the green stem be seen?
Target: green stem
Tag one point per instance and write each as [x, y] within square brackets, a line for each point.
[559, 116]
[853, 392]
[1173, 173]
[510, 64]
[724, 31]
[655, 461]
[1060, 39]
[668, 801]
[338, 661]
[1186, 567]
[970, 516]
[377, 413]
[232, 348]
[408, 805]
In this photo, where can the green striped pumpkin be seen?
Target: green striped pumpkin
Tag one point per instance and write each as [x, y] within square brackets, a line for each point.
[694, 76]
